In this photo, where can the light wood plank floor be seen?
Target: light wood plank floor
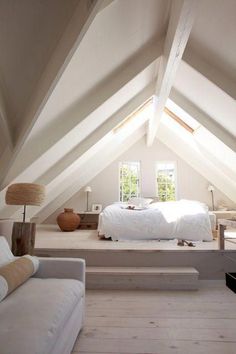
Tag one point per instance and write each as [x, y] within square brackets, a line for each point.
[160, 322]
[50, 236]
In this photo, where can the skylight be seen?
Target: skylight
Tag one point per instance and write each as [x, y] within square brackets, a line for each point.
[136, 118]
[182, 115]
[200, 139]
[178, 120]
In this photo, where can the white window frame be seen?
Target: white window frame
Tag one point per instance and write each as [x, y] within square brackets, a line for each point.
[175, 174]
[121, 163]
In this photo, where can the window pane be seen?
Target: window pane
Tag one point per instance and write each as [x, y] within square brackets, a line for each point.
[166, 181]
[129, 180]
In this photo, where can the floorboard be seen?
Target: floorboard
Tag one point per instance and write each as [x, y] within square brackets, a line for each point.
[154, 322]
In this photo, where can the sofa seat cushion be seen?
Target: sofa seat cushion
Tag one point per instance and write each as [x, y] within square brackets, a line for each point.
[33, 316]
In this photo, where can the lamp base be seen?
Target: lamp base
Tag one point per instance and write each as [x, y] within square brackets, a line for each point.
[23, 238]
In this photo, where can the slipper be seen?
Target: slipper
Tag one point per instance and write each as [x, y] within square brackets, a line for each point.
[183, 242]
[190, 244]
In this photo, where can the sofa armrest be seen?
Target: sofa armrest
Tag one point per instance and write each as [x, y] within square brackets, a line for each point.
[63, 268]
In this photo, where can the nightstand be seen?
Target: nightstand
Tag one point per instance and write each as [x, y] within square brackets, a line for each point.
[223, 223]
[88, 220]
[224, 214]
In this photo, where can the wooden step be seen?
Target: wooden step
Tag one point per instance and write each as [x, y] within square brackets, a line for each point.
[161, 278]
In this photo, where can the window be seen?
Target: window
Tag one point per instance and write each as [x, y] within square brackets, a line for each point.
[129, 180]
[166, 189]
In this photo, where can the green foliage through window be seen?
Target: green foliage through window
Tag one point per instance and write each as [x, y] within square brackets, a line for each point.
[129, 180]
[166, 181]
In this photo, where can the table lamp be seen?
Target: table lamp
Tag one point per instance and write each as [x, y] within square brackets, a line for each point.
[23, 233]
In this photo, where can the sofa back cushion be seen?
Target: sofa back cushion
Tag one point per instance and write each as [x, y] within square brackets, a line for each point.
[16, 273]
[6, 255]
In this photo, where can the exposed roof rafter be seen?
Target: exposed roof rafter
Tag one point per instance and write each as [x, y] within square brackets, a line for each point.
[179, 28]
[80, 178]
[76, 158]
[63, 141]
[69, 42]
[206, 121]
[4, 122]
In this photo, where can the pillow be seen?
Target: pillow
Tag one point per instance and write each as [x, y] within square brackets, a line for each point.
[140, 202]
[155, 200]
[6, 255]
[16, 273]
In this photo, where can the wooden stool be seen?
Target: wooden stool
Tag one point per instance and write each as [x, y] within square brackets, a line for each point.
[23, 238]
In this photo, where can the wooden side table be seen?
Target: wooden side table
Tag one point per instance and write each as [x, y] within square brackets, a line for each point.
[222, 224]
[224, 214]
[23, 238]
[88, 220]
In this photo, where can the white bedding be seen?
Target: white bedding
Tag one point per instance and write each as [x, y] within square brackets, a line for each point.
[183, 219]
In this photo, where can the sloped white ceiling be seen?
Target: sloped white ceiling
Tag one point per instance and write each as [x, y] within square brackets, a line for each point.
[29, 32]
[206, 95]
[111, 71]
[213, 35]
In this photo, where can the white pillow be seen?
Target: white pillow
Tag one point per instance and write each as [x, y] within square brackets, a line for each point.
[6, 255]
[140, 202]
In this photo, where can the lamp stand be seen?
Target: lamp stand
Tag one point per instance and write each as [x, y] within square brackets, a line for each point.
[87, 200]
[24, 213]
[212, 200]
[23, 238]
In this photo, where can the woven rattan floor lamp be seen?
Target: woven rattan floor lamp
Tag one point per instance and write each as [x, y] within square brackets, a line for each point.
[23, 233]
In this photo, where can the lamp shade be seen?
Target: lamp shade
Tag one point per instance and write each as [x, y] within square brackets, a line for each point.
[211, 188]
[25, 194]
[88, 189]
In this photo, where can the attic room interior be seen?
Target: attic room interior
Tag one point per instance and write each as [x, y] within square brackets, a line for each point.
[118, 176]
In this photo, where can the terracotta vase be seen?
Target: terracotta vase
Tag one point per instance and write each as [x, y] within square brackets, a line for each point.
[68, 220]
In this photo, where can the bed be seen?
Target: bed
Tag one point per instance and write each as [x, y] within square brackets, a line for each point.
[184, 219]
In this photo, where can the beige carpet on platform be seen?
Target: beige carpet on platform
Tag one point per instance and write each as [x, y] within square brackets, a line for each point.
[50, 236]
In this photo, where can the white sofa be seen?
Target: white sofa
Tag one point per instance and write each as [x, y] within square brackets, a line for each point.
[45, 314]
[6, 226]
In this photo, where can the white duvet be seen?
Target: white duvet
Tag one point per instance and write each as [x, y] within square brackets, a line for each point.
[183, 219]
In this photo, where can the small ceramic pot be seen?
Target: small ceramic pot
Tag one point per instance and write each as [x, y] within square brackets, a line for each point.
[68, 220]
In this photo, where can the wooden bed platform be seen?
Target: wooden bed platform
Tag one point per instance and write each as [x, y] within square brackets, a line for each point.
[210, 262]
[50, 236]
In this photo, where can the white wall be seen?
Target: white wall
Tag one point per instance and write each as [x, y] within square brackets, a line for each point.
[105, 186]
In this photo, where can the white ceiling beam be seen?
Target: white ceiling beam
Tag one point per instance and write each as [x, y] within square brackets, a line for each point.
[204, 119]
[60, 177]
[5, 133]
[196, 158]
[105, 4]
[83, 151]
[103, 158]
[99, 161]
[4, 123]
[180, 24]
[219, 78]
[76, 158]
[84, 113]
[69, 42]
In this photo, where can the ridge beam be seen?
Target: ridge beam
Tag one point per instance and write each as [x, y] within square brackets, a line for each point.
[179, 28]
